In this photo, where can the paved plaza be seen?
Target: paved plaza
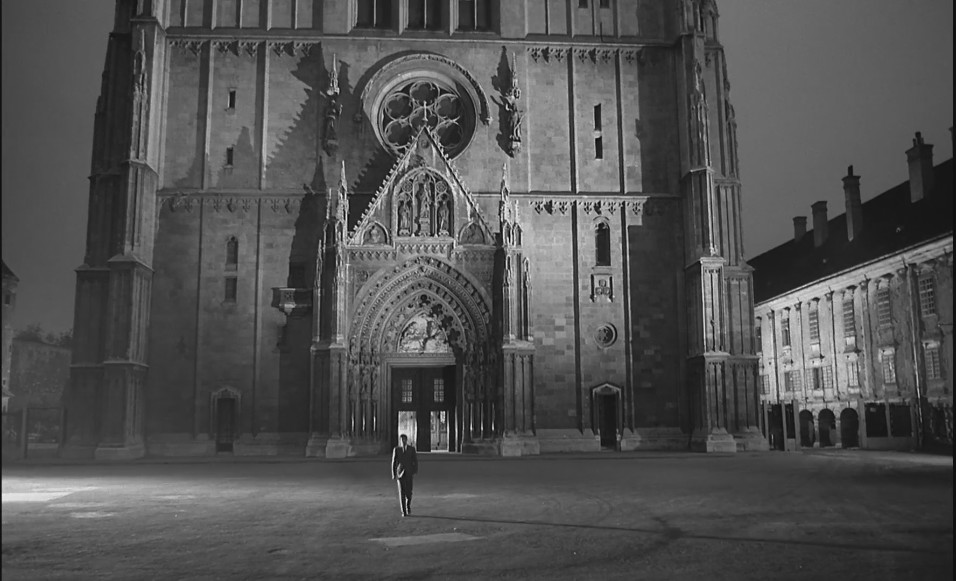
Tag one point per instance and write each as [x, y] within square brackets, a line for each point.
[813, 515]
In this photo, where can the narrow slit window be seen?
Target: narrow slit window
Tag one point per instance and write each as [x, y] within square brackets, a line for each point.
[884, 313]
[232, 252]
[597, 117]
[598, 148]
[232, 289]
[814, 326]
[849, 319]
[602, 242]
[231, 100]
[927, 296]
[852, 374]
[230, 155]
[785, 332]
[933, 368]
[439, 395]
[888, 362]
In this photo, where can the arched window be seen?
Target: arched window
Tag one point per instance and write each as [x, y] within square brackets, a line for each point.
[232, 252]
[602, 241]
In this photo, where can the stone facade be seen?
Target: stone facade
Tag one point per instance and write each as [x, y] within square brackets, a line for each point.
[509, 227]
[856, 319]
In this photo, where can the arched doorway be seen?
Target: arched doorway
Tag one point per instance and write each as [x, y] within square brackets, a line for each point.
[775, 421]
[424, 328]
[224, 417]
[850, 428]
[827, 425]
[807, 433]
[606, 421]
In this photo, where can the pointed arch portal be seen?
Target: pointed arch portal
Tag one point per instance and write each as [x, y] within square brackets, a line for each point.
[425, 326]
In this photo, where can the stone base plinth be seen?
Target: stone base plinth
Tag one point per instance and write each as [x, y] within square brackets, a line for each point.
[352, 447]
[654, 439]
[520, 445]
[567, 441]
[490, 447]
[68, 452]
[119, 453]
[718, 441]
[270, 444]
[181, 445]
[337, 448]
[315, 448]
[751, 441]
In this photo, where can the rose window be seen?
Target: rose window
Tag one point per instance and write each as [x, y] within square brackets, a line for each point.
[424, 103]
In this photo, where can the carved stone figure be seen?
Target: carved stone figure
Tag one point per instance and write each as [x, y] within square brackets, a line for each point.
[443, 217]
[404, 218]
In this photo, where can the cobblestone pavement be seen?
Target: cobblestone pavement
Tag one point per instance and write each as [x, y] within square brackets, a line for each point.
[813, 515]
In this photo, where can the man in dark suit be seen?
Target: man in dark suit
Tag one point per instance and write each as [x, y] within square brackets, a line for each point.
[404, 468]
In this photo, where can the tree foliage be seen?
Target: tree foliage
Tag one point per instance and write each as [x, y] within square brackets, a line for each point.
[35, 332]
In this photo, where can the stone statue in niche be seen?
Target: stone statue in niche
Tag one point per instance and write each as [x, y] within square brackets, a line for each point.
[375, 235]
[404, 217]
[472, 235]
[424, 210]
[511, 115]
[330, 140]
[443, 215]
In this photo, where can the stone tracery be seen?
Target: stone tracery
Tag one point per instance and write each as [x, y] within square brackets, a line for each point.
[424, 103]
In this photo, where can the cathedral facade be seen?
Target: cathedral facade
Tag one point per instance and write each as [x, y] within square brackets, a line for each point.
[497, 227]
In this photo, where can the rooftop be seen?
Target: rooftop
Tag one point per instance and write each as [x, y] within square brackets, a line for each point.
[891, 223]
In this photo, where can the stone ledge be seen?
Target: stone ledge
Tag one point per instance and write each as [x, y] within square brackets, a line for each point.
[654, 439]
[567, 440]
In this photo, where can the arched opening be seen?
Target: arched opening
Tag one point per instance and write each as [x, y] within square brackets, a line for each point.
[850, 428]
[224, 418]
[775, 423]
[807, 433]
[425, 328]
[602, 243]
[232, 252]
[827, 427]
[606, 406]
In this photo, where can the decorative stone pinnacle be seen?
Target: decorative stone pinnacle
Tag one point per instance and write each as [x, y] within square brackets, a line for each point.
[334, 77]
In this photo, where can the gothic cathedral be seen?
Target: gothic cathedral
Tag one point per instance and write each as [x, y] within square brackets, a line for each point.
[498, 227]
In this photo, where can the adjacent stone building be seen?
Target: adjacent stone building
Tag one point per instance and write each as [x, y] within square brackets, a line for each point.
[10, 283]
[499, 227]
[855, 318]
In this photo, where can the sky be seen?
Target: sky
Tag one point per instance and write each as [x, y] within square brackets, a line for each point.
[817, 85]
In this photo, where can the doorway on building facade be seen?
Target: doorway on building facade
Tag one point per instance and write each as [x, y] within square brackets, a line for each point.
[606, 400]
[225, 423]
[423, 404]
[850, 428]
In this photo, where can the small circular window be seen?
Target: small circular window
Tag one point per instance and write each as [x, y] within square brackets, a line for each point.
[605, 335]
[408, 107]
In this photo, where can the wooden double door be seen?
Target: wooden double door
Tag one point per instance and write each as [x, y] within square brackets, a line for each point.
[423, 404]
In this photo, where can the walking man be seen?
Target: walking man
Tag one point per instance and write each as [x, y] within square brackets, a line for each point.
[404, 468]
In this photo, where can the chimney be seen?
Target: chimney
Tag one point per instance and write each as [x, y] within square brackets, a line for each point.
[920, 158]
[819, 223]
[799, 228]
[854, 208]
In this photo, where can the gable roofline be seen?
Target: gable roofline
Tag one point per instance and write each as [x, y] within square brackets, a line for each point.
[400, 168]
